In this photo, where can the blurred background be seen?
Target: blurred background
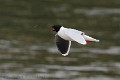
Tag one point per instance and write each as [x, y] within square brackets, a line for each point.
[27, 46]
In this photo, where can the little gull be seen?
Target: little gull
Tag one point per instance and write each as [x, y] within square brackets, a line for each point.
[64, 36]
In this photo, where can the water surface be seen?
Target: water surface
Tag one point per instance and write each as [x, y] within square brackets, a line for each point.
[28, 51]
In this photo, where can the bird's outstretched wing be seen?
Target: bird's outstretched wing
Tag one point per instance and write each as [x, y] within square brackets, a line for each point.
[75, 35]
[62, 45]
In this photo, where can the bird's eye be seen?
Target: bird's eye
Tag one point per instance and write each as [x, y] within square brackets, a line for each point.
[82, 33]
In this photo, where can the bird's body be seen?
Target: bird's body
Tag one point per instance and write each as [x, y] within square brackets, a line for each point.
[64, 37]
[62, 34]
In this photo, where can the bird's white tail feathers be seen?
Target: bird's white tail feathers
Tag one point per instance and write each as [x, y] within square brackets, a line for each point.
[86, 37]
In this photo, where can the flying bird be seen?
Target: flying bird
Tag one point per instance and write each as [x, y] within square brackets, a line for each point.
[64, 36]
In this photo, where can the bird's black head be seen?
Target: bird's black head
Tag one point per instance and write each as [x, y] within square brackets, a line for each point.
[56, 28]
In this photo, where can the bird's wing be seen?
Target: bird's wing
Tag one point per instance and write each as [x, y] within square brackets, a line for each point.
[62, 45]
[75, 35]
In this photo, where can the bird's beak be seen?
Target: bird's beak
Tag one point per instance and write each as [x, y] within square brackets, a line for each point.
[53, 29]
[50, 29]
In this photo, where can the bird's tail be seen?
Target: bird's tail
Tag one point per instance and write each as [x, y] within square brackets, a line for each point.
[90, 39]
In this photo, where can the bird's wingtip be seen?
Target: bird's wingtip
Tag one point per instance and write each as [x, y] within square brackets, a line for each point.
[84, 43]
[97, 40]
[65, 54]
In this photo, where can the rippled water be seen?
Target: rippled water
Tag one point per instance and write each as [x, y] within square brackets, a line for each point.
[28, 51]
[38, 62]
[98, 11]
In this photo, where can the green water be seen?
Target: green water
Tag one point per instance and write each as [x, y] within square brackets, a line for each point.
[27, 48]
